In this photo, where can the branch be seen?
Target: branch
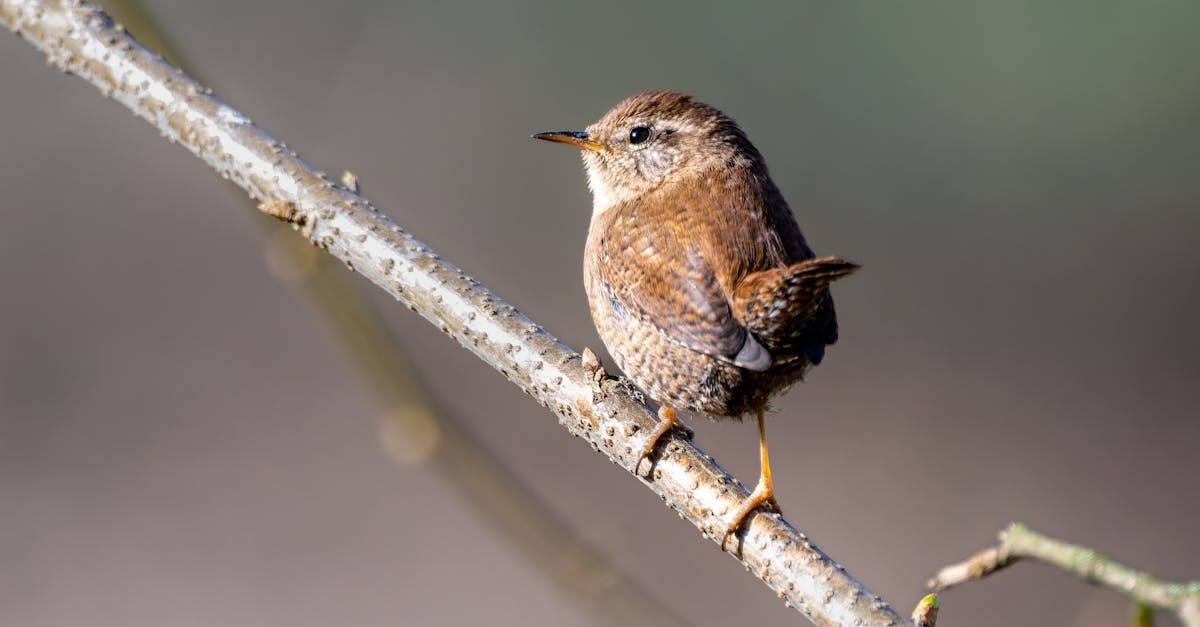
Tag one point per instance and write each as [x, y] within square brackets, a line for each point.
[416, 430]
[608, 413]
[1018, 542]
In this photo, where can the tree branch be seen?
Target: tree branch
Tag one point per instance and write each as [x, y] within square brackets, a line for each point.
[607, 413]
[1018, 542]
[416, 430]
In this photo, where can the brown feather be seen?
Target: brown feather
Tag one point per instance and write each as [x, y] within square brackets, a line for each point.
[700, 282]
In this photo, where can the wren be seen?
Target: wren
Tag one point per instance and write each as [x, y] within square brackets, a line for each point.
[699, 281]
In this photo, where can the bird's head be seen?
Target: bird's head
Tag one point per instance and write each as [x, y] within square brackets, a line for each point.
[655, 138]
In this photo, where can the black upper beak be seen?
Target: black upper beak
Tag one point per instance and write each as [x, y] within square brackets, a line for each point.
[578, 139]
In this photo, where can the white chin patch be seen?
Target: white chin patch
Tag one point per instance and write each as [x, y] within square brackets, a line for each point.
[602, 196]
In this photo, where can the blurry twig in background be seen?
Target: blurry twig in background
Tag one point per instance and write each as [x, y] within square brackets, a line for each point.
[608, 413]
[1143, 616]
[414, 429]
[1018, 542]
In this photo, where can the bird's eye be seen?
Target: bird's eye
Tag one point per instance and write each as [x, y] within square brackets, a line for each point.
[639, 134]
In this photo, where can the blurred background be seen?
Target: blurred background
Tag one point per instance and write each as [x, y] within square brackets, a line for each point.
[185, 440]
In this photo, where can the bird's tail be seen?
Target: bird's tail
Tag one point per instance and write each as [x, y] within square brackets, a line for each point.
[778, 290]
[820, 271]
[790, 307]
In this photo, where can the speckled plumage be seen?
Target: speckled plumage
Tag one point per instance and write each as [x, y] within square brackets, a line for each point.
[699, 281]
[679, 275]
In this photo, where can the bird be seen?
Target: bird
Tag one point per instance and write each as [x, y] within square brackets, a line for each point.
[699, 280]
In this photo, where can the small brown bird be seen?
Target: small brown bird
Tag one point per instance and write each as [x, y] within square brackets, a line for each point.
[699, 280]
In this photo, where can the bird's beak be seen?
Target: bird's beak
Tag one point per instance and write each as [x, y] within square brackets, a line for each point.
[578, 139]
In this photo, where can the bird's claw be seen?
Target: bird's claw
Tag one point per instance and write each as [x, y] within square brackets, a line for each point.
[760, 497]
[667, 421]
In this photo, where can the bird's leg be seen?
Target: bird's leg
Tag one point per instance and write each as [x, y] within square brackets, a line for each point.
[764, 492]
[667, 421]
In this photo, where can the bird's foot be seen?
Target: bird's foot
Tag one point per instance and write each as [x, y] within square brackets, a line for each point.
[763, 494]
[667, 421]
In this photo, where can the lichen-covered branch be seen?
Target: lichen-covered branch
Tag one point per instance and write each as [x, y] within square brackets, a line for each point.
[1018, 542]
[607, 413]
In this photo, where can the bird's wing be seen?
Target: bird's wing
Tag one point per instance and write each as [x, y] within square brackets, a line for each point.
[656, 270]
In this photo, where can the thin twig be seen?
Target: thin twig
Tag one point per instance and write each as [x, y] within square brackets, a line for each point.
[1143, 616]
[927, 611]
[608, 413]
[1018, 542]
